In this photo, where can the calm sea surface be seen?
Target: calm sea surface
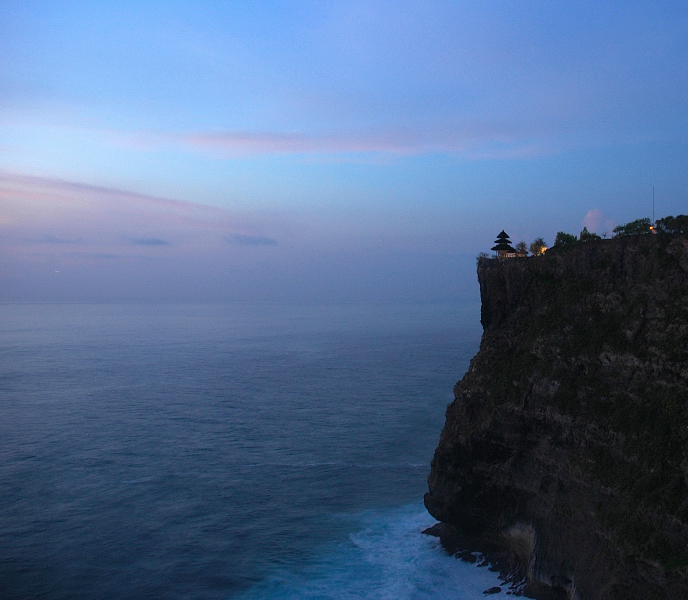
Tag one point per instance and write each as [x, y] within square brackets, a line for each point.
[226, 450]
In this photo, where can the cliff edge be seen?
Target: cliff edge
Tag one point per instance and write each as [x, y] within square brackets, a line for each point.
[567, 442]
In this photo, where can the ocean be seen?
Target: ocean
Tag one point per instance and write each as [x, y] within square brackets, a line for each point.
[231, 450]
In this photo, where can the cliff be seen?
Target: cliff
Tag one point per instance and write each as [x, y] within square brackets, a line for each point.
[567, 442]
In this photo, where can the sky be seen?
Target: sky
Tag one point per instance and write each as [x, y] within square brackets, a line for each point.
[324, 150]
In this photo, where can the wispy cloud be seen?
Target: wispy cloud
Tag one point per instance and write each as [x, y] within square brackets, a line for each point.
[52, 214]
[94, 255]
[477, 139]
[149, 242]
[250, 240]
[473, 141]
[265, 142]
[59, 193]
[51, 239]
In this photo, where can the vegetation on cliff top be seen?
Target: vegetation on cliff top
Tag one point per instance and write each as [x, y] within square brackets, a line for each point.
[670, 225]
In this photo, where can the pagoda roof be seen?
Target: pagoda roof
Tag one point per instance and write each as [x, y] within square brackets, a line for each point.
[503, 240]
[504, 247]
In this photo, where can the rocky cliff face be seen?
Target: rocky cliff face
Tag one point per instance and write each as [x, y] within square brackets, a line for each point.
[567, 443]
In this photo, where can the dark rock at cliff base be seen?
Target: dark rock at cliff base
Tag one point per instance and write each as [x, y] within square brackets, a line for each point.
[567, 443]
[450, 538]
[538, 590]
[492, 590]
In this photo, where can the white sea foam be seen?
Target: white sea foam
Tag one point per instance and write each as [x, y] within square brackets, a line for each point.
[388, 559]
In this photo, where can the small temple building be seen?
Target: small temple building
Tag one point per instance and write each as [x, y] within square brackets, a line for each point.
[503, 247]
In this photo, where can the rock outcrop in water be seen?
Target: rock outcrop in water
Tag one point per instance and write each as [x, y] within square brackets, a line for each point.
[567, 443]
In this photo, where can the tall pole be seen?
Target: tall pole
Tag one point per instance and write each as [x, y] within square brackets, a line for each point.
[653, 205]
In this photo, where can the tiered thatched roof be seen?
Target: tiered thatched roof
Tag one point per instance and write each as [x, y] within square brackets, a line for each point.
[503, 244]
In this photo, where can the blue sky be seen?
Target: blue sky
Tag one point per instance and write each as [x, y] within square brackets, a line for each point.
[209, 150]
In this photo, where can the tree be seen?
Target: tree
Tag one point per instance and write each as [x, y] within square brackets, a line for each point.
[521, 249]
[538, 247]
[565, 239]
[637, 227]
[677, 224]
[587, 236]
[482, 256]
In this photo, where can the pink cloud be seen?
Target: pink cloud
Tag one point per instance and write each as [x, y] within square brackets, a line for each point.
[246, 142]
[476, 140]
[473, 142]
[597, 221]
[473, 138]
[51, 216]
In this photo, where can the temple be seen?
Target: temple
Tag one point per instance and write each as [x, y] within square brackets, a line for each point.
[503, 247]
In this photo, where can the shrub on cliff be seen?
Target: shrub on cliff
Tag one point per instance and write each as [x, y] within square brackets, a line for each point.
[565, 239]
[588, 236]
[521, 249]
[637, 227]
[538, 246]
[677, 224]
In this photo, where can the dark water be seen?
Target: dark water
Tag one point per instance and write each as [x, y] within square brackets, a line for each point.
[225, 451]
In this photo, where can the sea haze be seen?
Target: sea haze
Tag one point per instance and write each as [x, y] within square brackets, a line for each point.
[226, 450]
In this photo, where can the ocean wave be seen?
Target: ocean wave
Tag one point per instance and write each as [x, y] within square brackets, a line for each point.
[387, 559]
